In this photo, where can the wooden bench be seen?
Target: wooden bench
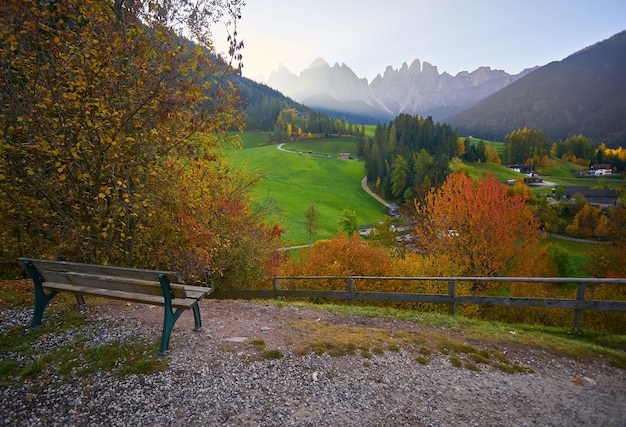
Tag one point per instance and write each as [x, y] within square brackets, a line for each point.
[128, 284]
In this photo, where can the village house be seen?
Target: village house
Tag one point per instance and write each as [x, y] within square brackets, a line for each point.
[525, 169]
[601, 170]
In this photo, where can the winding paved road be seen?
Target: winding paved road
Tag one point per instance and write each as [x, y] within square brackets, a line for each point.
[370, 192]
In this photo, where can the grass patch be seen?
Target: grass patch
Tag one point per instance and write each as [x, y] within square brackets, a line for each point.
[272, 354]
[502, 173]
[393, 347]
[425, 351]
[512, 369]
[380, 351]
[561, 169]
[16, 293]
[319, 336]
[328, 146]
[339, 340]
[258, 344]
[294, 182]
[456, 361]
[480, 358]
[422, 360]
[471, 367]
[578, 252]
[22, 360]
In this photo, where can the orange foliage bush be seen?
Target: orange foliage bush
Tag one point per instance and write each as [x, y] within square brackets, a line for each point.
[340, 256]
[480, 226]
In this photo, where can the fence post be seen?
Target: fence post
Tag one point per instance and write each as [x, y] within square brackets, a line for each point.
[351, 290]
[578, 312]
[452, 294]
[275, 289]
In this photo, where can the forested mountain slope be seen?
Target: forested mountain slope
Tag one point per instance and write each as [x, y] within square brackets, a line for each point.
[584, 93]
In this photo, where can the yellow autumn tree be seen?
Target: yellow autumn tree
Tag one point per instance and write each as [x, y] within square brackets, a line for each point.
[105, 112]
[492, 155]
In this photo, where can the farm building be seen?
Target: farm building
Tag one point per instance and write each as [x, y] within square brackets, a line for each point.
[392, 209]
[603, 198]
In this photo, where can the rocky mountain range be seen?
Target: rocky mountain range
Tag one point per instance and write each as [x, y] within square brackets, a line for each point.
[418, 88]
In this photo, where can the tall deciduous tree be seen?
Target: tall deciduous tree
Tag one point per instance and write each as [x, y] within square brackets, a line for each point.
[486, 231]
[348, 222]
[312, 225]
[111, 127]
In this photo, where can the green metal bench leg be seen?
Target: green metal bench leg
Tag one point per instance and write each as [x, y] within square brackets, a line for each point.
[170, 316]
[41, 297]
[196, 318]
[169, 320]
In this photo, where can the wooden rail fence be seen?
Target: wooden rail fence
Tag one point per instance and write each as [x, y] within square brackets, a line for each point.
[578, 304]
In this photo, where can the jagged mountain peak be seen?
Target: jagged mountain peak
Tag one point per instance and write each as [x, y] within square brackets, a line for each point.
[416, 66]
[319, 63]
[417, 88]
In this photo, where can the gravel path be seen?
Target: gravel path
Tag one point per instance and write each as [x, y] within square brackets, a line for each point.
[212, 379]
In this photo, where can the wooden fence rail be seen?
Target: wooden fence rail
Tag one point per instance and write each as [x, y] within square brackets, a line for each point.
[579, 304]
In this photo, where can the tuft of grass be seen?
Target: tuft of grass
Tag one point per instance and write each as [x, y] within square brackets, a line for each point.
[471, 367]
[501, 357]
[425, 351]
[512, 368]
[272, 354]
[258, 344]
[479, 358]
[393, 347]
[422, 360]
[456, 361]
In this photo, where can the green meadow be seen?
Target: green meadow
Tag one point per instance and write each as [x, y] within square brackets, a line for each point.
[560, 173]
[502, 173]
[564, 173]
[332, 146]
[579, 253]
[292, 182]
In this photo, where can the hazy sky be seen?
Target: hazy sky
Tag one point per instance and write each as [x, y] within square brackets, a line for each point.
[454, 35]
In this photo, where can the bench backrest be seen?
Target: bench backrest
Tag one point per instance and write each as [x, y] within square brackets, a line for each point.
[106, 277]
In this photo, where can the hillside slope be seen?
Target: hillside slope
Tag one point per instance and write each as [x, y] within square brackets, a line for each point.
[584, 93]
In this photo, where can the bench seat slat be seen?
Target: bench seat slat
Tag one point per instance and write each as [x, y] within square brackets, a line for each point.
[64, 266]
[184, 303]
[113, 283]
[199, 294]
[197, 288]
